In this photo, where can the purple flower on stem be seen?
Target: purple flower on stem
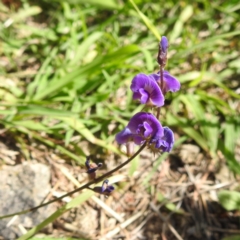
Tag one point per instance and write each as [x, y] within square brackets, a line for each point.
[147, 90]
[106, 189]
[141, 127]
[146, 127]
[170, 83]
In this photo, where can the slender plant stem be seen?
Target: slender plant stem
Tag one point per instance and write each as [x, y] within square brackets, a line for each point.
[99, 179]
[161, 86]
[158, 113]
[161, 77]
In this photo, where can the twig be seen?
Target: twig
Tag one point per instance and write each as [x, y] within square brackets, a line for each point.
[169, 225]
[123, 225]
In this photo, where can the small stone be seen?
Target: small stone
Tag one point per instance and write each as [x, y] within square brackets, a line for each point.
[23, 186]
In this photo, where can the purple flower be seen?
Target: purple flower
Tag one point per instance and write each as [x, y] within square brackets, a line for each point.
[170, 83]
[147, 90]
[145, 127]
[141, 127]
[164, 143]
[105, 189]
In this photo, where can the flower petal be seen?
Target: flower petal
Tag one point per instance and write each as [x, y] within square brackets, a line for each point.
[138, 140]
[140, 118]
[172, 84]
[136, 95]
[144, 96]
[147, 90]
[124, 136]
[148, 129]
[104, 185]
[168, 140]
[164, 143]
[109, 189]
[157, 97]
[138, 82]
[155, 76]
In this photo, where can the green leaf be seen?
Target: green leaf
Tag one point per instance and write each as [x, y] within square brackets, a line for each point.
[209, 125]
[178, 27]
[149, 59]
[111, 4]
[79, 159]
[233, 164]
[31, 125]
[187, 129]
[230, 200]
[43, 111]
[189, 76]
[231, 134]
[211, 41]
[83, 48]
[236, 237]
[22, 14]
[226, 89]
[86, 133]
[39, 82]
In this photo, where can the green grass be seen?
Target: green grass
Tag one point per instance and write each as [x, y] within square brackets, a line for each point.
[63, 63]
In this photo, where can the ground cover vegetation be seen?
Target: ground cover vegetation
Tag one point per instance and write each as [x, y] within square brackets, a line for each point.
[66, 69]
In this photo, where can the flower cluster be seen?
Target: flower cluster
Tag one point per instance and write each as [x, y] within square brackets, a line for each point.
[144, 127]
[150, 90]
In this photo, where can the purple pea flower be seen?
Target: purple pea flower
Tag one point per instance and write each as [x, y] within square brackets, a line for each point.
[170, 83]
[141, 127]
[145, 127]
[146, 89]
[106, 189]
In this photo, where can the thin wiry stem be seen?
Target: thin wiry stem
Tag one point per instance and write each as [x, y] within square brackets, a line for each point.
[158, 113]
[161, 76]
[161, 86]
[99, 179]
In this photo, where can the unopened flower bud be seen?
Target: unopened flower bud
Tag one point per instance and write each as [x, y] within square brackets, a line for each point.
[162, 52]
